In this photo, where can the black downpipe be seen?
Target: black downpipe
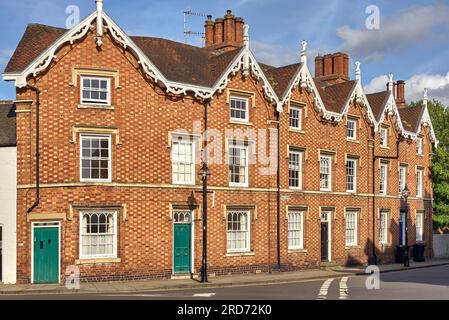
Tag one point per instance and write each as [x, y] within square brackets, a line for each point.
[399, 139]
[204, 177]
[37, 200]
[374, 196]
[278, 196]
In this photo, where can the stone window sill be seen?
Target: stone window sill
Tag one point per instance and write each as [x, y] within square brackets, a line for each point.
[352, 247]
[240, 254]
[95, 106]
[97, 261]
[297, 250]
[296, 130]
[241, 123]
[352, 141]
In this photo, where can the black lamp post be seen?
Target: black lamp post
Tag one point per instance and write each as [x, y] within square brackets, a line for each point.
[405, 194]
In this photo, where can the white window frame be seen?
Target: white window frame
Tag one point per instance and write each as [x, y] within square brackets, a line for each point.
[355, 230]
[419, 144]
[383, 232]
[354, 176]
[299, 230]
[193, 151]
[419, 182]
[98, 256]
[299, 110]
[329, 158]
[354, 129]
[246, 148]
[109, 137]
[299, 153]
[241, 99]
[383, 190]
[419, 226]
[384, 137]
[402, 178]
[99, 102]
[247, 247]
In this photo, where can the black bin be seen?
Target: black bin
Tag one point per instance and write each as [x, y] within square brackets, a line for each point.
[418, 252]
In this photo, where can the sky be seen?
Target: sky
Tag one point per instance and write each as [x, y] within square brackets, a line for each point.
[409, 38]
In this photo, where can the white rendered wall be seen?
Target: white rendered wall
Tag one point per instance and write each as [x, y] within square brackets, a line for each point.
[8, 200]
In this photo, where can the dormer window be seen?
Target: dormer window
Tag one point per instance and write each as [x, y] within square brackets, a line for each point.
[351, 129]
[95, 91]
[384, 137]
[239, 109]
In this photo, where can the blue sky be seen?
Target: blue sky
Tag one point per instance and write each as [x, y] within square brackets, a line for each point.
[412, 40]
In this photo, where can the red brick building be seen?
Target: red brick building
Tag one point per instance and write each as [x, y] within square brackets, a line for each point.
[121, 156]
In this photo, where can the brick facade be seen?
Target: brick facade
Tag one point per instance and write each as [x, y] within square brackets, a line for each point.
[142, 191]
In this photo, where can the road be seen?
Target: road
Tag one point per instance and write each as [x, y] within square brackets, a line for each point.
[427, 283]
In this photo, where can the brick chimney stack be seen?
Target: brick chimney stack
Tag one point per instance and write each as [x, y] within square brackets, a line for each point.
[400, 93]
[224, 33]
[332, 68]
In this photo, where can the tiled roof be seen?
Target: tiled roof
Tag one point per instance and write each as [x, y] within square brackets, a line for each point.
[184, 63]
[36, 39]
[335, 96]
[7, 124]
[377, 102]
[410, 117]
[178, 62]
[281, 77]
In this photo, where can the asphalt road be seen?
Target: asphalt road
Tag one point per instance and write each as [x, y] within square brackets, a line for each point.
[427, 283]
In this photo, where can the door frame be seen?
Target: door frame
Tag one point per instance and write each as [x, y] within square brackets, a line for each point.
[329, 232]
[192, 242]
[56, 224]
[2, 260]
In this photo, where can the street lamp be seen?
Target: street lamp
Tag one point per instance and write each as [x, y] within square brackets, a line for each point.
[405, 194]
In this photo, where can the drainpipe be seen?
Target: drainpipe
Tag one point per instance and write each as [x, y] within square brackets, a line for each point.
[37, 200]
[278, 197]
[204, 178]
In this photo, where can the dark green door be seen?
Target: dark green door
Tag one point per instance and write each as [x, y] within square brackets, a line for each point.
[181, 248]
[46, 255]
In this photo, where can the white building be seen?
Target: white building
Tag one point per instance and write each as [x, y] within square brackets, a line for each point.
[8, 192]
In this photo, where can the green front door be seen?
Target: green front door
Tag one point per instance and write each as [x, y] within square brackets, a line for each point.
[46, 255]
[181, 248]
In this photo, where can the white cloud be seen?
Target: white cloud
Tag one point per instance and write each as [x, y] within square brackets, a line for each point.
[437, 84]
[274, 55]
[397, 34]
[5, 55]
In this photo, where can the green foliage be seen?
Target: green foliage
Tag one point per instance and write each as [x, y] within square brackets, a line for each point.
[439, 114]
[440, 222]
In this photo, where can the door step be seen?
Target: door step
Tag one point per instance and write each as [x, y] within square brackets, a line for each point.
[182, 276]
[327, 265]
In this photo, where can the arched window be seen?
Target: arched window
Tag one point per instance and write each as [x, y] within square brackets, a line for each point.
[98, 235]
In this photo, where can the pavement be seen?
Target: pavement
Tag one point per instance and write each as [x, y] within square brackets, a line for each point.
[278, 278]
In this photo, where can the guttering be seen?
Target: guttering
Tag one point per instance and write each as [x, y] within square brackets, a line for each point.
[37, 200]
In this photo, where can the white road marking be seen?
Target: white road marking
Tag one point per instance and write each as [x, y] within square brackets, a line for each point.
[324, 289]
[344, 288]
[203, 295]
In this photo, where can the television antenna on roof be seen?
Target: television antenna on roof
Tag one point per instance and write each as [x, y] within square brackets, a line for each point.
[188, 13]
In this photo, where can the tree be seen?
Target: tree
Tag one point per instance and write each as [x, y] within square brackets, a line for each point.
[439, 113]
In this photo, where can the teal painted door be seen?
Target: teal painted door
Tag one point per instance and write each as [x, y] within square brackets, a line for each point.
[46, 255]
[181, 248]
